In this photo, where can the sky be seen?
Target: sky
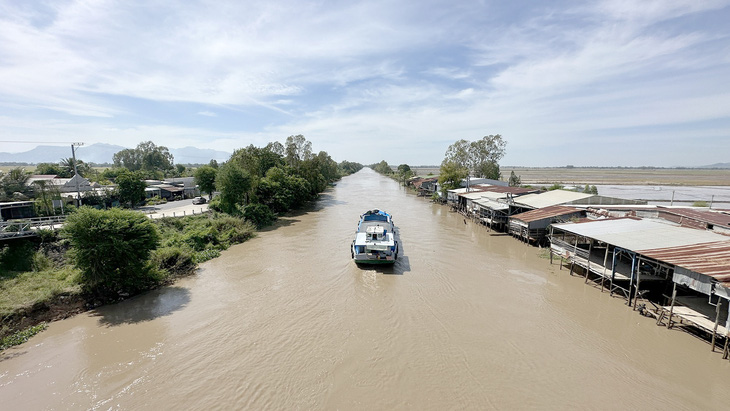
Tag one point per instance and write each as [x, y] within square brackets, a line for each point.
[594, 83]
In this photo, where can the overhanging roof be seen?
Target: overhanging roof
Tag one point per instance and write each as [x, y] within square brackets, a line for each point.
[547, 212]
[637, 235]
[550, 198]
[711, 259]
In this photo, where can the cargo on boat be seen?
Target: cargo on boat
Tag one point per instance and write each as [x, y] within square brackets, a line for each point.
[375, 239]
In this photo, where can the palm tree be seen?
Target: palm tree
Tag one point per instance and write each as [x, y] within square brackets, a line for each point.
[67, 164]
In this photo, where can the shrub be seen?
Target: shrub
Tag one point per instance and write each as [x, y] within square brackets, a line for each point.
[112, 249]
[17, 255]
[175, 260]
[258, 214]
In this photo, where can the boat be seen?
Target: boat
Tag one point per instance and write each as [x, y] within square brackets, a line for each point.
[375, 239]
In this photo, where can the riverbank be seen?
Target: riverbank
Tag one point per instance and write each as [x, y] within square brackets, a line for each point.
[39, 284]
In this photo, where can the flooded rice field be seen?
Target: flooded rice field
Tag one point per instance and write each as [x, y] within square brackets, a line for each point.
[466, 319]
[716, 196]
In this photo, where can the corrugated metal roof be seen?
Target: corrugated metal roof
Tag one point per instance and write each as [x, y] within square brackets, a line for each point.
[513, 190]
[473, 188]
[489, 203]
[712, 259]
[472, 195]
[546, 212]
[712, 217]
[550, 198]
[636, 235]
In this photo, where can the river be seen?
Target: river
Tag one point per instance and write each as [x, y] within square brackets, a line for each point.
[466, 319]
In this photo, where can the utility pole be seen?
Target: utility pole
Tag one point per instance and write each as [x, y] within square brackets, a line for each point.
[76, 174]
[672, 203]
[711, 200]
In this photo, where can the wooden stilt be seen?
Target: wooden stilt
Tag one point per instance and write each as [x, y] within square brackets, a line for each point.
[605, 258]
[613, 271]
[588, 264]
[638, 281]
[717, 321]
[671, 306]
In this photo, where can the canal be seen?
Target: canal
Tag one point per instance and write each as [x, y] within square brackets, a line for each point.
[466, 319]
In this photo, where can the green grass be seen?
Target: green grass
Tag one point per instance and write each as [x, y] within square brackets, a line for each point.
[202, 237]
[22, 290]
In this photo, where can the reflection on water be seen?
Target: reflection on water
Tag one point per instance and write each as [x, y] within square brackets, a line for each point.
[464, 319]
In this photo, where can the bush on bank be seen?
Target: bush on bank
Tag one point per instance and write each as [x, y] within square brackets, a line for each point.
[36, 272]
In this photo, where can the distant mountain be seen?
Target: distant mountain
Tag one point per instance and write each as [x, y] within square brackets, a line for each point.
[194, 155]
[104, 153]
[717, 165]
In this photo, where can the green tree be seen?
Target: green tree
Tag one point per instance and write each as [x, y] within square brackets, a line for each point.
[451, 174]
[112, 249]
[297, 149]
[479, 157]
[130, 188]
[147, 156]
[256, 160]
[404, 173]
[51, 169]
[258, 214]
[484, 156]
[45, 193]
[347, 167]
[234, 184]
[13, 185]
[383, 168]
[205, 178]
[67, 165]
[514, 179]
[488, 170]
[594, 190]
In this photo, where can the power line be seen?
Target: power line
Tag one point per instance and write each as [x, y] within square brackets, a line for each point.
[37, 142]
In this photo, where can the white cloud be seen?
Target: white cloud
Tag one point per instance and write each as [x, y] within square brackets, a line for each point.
[409, 75]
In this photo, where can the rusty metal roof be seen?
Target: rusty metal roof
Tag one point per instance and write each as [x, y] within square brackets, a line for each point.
[712, 217]
[645, 234]
[711, 259]
[546, 212]
[512, 190]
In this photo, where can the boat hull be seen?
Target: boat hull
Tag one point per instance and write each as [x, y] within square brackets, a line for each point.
[365, 260]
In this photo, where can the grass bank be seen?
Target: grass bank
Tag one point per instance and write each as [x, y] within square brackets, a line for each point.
[39, 283]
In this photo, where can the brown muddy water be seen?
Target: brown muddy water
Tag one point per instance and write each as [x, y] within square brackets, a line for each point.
[464, 320]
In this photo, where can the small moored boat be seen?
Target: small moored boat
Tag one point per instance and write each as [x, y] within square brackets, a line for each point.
[375, 241]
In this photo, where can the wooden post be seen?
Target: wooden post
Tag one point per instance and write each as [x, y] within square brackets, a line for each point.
[613, 271]
[605, 259]
[717, 321]
[631, 280]
[638, 281]
[575, 250]
[671, 306]
[588, 264]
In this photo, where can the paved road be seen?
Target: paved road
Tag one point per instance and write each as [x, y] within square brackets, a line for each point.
[174, 209]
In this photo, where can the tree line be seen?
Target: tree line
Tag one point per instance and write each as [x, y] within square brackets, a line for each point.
[260, 182]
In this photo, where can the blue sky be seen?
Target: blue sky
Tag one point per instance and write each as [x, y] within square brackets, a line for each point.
[622, 82]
